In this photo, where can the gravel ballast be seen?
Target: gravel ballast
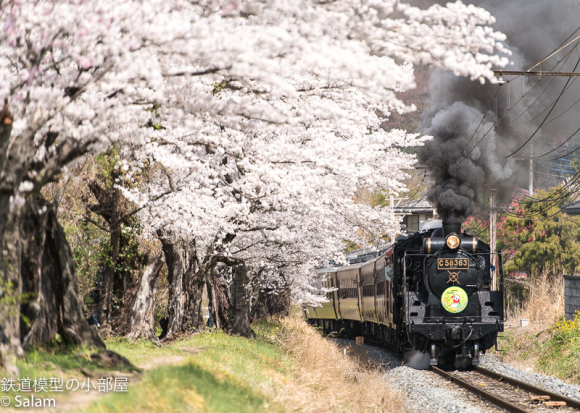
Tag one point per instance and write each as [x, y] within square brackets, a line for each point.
[535, 379]
[428, 392]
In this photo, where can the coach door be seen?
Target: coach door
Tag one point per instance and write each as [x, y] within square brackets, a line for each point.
[380, 296]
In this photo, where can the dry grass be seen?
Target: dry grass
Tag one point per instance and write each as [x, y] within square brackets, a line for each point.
[327, 380]
[543, 306]
[544, 303]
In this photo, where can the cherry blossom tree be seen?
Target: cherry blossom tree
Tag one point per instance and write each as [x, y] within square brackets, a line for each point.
[294, 136]
[262, 117]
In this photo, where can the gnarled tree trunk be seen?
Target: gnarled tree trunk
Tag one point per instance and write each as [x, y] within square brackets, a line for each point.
[109, 207]
[186, 280]
[48, 275]
[218, 291]
[271, 302]
[137, 320]
[36, 259]
[13, 166]
[240, 306]
[10, 264]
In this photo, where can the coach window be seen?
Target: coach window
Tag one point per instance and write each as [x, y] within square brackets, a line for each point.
[389, 272]
[381, 288]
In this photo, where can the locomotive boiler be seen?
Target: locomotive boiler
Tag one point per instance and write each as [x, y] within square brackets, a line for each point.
[429, 295]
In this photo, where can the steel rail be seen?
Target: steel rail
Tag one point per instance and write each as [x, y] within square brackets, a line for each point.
[492, 398]
[528, 387]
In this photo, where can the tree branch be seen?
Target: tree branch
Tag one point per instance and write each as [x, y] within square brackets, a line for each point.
[129, 214]
[97, 225]
[198, 73]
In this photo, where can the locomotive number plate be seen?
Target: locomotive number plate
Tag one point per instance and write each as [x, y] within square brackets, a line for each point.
[452, 263]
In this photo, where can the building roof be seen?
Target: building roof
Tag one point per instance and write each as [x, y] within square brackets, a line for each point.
[416, 206]
[573, 208]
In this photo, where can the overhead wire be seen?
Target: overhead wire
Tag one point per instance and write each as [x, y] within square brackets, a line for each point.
[560, 47]
[517, 102]
[522, 97]
[492, 127]
[553, 103]
[569, 153]
[417, 191]
[564, 59]
[563, 47]
[571, 106]
[559, 146]
[548, 115]
[501, 118]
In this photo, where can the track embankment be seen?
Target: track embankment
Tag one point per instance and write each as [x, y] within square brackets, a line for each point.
[511, 394]
[427, 391]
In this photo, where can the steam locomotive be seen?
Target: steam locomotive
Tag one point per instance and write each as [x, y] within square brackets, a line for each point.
[429, 296]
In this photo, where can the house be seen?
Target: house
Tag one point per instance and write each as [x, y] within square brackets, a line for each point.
[572, 209]
[415, 213]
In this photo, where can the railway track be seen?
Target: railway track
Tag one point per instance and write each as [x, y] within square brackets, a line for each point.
[508, 393]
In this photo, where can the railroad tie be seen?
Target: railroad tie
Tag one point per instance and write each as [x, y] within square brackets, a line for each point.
[540, 397]
[553, 404]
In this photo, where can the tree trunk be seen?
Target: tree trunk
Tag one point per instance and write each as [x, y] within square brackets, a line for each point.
[108, 281]
[12, 283]
[12, 170]
[185, 288]
[218, 291]
[137, 320]
[271, 302]
[37, 259]
[48, 275]
[240, 307]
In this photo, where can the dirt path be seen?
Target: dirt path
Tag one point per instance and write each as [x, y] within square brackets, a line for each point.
[74, 401]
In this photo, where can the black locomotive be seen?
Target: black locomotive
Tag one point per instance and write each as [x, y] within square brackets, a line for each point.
[429, 295]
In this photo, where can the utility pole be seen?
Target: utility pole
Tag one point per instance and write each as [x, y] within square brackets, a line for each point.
[492, 235]
[531, 176]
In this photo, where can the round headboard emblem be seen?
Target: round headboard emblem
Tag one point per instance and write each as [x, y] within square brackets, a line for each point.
[454, 299]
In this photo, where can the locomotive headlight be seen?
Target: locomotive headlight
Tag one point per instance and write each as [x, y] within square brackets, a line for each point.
[453, 241]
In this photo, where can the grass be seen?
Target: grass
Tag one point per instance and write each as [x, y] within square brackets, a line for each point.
[542, 303]
[560, 355]
[550, 345]
[327, 380]
[290, 367]
[185, 388]
[219, 374]
[56, 361]
[141, 352]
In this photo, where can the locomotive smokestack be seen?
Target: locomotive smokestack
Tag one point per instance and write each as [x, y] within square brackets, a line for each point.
[450, 226]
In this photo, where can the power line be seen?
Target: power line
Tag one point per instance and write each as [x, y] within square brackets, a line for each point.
[573, 104]
[541, 124]
[417, 191]
[569, 153]
[542, 76]
[567, 44]
[564, 61]
[505, 114]
[559, 146]
[551, 104]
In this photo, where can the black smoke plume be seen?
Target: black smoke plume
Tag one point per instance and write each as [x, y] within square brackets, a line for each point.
[460, 159]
